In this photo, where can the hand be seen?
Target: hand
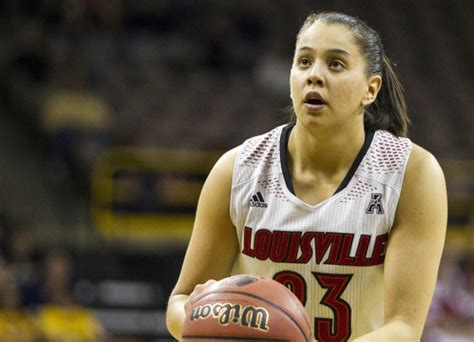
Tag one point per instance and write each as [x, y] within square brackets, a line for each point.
[198, 289]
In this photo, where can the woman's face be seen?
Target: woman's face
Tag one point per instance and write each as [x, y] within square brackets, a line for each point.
[328, 83]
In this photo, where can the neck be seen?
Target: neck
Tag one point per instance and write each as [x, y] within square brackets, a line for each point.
[323, 151]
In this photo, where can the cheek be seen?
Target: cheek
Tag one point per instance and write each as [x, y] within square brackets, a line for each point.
[350, 90]
[294, 88]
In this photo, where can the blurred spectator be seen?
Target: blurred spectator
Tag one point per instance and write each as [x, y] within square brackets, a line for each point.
[69, 324]
[61, 319]
[451, 315]
[16, 325]
[21, 257]
[28, 67]
[76, 120]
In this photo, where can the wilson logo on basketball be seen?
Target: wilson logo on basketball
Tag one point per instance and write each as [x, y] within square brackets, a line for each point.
[225, 313]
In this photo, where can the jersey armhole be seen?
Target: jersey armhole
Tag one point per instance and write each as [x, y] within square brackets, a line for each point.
[401, 179]
[232, 207]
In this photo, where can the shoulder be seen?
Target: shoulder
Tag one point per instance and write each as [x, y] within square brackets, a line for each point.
[251, 149]
[224, 166]
[424, 187]
[254, 152]
[261, 151]
[423, 167]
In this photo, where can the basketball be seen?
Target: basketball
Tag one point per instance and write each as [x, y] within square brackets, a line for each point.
[247, 307]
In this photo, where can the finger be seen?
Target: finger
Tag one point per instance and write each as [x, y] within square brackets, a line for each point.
[198, 289]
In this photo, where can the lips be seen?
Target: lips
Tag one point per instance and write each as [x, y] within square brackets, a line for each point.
[314, 101]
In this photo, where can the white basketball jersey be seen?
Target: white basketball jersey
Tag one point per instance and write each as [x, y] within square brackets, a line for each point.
[331, 254]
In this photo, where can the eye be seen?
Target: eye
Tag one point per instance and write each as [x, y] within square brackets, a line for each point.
[336, 65]
[304, 61]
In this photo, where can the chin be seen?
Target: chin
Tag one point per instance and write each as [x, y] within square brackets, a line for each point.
[312, 120]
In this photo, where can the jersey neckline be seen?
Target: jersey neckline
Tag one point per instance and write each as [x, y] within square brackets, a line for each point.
[284, 138]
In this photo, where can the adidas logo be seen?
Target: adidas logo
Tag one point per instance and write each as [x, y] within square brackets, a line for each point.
[258, 201]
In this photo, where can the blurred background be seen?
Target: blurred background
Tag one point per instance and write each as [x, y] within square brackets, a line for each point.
[112, 113]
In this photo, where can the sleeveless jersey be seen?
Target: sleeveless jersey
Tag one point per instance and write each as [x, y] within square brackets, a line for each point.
[331, 254]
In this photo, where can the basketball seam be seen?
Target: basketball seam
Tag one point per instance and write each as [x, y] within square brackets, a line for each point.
[263, 300]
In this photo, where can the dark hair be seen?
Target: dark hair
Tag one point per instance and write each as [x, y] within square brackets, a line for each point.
[389, 111]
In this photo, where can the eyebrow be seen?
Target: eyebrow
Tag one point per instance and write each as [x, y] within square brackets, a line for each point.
[339, 51]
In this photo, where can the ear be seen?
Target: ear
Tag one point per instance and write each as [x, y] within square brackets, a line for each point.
[374, 84]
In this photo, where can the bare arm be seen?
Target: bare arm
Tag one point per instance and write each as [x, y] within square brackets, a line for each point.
[213, 243]
[414, 250]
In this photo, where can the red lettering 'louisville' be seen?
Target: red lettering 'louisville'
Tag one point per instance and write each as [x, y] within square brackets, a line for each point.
[302, 247]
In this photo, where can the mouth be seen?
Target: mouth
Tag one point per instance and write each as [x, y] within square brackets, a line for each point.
[314, 101]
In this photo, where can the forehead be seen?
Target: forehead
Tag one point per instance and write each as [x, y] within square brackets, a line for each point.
[323, 36]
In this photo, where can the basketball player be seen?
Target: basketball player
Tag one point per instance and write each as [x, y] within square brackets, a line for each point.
[339, 206]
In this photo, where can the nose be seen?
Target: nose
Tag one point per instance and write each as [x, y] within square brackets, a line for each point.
[315, 76]
[315, 80]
